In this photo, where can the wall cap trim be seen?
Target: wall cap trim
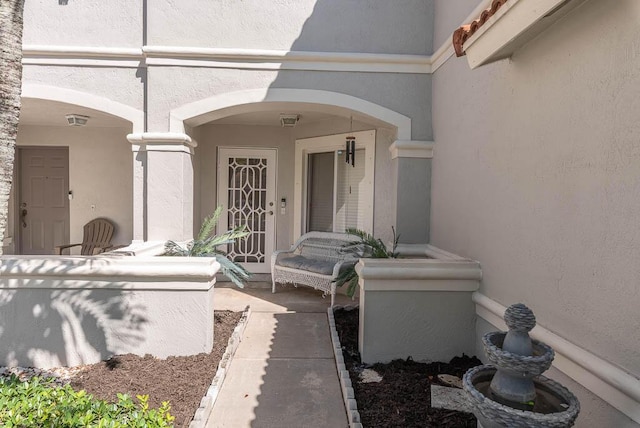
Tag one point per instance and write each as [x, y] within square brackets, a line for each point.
[412, 149]
[112, 268]
[162, 142]
[606, 380]
[375, 274]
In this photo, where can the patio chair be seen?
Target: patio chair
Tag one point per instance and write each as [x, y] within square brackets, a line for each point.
[95, 240]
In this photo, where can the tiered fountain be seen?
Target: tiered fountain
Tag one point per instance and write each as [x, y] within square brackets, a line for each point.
[512, 391]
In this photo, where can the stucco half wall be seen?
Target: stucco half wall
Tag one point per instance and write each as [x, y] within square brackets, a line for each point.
[68, 311]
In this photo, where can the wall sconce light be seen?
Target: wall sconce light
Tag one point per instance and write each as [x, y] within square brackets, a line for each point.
[289, 120]
[63, 2]
[77, 119]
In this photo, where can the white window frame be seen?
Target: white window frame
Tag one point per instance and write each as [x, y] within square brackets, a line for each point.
[304, 147]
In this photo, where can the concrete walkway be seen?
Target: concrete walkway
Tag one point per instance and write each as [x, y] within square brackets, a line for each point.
[283, 373]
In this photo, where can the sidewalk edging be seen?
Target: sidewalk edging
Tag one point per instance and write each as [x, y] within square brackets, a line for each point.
[348, 395]
[203, 412]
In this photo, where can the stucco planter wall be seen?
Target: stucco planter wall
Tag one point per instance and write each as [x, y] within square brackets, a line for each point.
[79, 310]
[419, 308]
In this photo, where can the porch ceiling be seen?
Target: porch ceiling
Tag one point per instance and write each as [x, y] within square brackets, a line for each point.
[268, 114]
[272, 117]
[52, 113]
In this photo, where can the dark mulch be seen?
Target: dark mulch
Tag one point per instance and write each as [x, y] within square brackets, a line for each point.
[403, 397]
[182, 381]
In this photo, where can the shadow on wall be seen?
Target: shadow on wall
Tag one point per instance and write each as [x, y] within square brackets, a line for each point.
[368, 27]
[54, 325]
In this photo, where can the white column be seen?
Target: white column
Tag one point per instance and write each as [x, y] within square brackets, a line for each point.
[412, 179]
[163, 186]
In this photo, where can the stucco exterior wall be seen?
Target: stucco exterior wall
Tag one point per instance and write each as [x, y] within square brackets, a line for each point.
[173, 87]
[535, 176]
[100, 174]
[123, 85]
[375, 26]
[451, 14]
[304, 25]
[83, 23]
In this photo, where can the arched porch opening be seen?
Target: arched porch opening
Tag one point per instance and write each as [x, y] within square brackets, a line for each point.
[66, 175]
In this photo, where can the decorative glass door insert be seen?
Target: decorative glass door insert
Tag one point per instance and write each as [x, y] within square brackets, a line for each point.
[246, 189]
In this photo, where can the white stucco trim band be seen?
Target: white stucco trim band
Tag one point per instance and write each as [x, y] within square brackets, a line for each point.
[411, 149]
[286, 60]
[82, 56]
[32, 270]
[259, 59]
[162, 142]
[609, 382]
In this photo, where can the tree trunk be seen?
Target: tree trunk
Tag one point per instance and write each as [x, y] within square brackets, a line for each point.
[11, 24]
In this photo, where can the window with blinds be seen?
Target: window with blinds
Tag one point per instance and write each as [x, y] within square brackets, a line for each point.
[321, 177]
[337, 192]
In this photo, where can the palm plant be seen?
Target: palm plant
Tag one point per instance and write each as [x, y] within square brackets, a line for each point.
[371, 247]
[206, 245]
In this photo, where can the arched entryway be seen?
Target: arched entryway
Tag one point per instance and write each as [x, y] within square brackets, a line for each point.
[242, 132]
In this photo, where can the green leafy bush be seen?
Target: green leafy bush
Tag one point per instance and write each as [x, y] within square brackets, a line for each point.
[372, 248]
[206, 245]
[38, 403]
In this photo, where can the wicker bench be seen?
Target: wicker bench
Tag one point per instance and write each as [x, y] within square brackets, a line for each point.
[315, 260]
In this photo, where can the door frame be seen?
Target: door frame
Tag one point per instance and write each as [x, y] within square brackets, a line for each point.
[306, 146]
[222, 190]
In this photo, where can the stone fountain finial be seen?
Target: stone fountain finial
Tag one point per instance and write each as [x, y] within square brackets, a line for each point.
[518, 317]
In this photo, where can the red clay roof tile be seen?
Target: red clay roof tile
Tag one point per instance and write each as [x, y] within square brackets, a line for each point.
[464, 32]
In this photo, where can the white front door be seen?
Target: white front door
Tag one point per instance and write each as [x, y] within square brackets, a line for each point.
[247, 193]
[43, 214]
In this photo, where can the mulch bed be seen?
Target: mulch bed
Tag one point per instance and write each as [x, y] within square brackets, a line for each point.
[182, 381]
[403, 397]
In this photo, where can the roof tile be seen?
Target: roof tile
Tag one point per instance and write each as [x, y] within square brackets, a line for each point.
[464, 32]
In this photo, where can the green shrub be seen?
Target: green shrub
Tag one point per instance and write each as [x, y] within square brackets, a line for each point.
[38, 403]
[371, 248]
[206, 245]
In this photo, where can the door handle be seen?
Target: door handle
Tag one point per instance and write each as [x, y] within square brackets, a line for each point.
[23, 215]
[270, 212]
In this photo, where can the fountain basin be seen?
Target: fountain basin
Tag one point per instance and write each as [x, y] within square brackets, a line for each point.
[514, 364]
[555, 406]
